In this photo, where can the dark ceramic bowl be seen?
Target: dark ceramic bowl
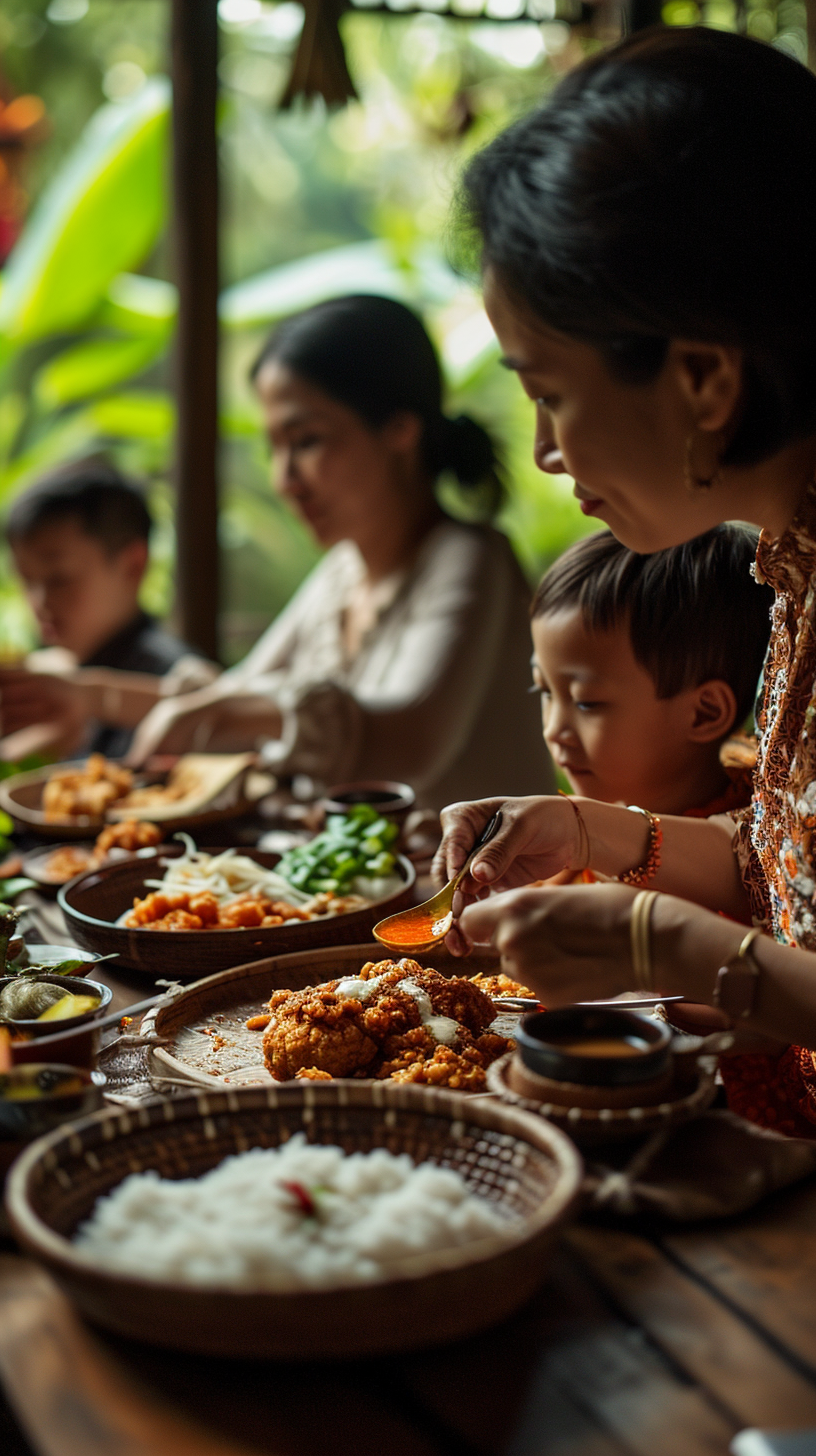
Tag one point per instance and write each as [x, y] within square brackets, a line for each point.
[72, 985]
[93, 903]
[544, 1038]
[385, 795]
[63, 1092]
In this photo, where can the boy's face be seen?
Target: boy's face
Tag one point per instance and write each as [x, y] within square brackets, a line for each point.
[80, 594]
[604, 724]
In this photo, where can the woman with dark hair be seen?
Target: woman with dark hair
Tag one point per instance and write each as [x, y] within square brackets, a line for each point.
[405, 654]
[646, 242]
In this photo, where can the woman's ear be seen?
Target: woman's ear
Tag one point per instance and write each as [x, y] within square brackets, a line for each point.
[714, 710]
[403, 432]
[710, 377]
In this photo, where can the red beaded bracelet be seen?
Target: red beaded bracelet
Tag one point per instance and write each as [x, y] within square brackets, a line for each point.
[643, 873]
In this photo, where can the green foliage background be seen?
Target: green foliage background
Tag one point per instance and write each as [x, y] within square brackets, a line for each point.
[313, 203]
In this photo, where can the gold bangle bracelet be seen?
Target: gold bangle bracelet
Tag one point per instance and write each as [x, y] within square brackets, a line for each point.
[584, 844]
[640, 930]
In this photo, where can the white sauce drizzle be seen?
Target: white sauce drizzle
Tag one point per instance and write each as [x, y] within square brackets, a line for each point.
[441, 1028]
[357, 990]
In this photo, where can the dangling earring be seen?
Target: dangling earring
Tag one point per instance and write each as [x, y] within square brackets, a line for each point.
[694, 481]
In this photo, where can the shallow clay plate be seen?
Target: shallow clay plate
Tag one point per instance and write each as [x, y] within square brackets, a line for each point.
[93, 903]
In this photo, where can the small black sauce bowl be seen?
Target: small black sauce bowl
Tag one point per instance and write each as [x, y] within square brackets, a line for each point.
[541, 1039]
[64, 1092]
[385, 795]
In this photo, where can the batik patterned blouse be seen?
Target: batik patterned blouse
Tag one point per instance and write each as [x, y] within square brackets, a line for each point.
[776, 836]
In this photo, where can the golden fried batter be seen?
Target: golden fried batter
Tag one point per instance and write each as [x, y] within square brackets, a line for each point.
[386, 1030]
[459, 1071]
[316, 1028]
[500, 985]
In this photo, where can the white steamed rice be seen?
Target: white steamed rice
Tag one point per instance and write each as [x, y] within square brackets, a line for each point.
[238, 1227]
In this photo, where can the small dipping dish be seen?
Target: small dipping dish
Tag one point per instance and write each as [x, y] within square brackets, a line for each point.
[54, 955]
[608, 1048]
[72, 986]
[40, 1096]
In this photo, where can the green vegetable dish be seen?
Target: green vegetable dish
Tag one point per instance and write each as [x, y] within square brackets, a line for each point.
[353, 848]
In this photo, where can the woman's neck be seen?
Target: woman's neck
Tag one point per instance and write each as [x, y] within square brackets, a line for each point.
[393, 541]
[769, 494]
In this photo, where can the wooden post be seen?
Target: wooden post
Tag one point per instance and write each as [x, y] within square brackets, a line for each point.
[195, 192]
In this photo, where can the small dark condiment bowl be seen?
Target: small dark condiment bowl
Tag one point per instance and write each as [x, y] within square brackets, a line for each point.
[385, 795]
[40, 1096]
[547, 1040]
[71, 985]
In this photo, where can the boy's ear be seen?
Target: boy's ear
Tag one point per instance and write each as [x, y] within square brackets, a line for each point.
[714, 709]
[132, 561]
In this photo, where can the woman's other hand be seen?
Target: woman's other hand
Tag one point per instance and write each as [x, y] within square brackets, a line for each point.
[570, 943]
[209, 720]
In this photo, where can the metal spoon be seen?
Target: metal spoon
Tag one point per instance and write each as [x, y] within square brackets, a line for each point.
[424, 926]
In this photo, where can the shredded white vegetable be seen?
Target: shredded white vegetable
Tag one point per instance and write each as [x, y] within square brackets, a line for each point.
[224, 876]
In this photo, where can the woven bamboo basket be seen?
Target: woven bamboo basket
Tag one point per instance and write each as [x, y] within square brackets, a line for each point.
[519, 1162]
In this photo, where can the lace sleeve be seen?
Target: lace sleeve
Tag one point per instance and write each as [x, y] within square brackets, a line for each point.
[750, 868]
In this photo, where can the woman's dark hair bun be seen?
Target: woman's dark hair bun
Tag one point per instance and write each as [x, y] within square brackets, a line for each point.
[374, 355]
[465, 449]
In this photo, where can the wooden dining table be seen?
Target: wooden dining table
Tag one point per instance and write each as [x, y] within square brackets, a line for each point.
[644, 1339]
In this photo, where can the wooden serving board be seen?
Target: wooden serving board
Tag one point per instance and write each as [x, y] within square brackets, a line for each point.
[204, 1040]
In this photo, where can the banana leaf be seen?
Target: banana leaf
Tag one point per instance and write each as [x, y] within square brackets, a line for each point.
[92, 367]
[100, 217]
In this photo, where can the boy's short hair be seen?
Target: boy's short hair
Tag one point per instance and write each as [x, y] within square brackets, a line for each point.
[694, 612]
[104, 502]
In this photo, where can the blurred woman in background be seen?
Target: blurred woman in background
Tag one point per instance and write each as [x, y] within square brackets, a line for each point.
[405, 653]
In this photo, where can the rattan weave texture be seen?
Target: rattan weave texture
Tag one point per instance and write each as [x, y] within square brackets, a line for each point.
[517, 1161]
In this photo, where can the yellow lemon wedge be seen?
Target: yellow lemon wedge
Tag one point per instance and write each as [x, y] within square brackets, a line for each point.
[69, 1006]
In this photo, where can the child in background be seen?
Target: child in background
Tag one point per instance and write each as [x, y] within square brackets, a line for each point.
[80, 542]
[646, 665]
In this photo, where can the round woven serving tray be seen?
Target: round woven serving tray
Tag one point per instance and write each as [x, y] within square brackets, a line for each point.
[222, 1003]
[519, 1162]
[691, 1093]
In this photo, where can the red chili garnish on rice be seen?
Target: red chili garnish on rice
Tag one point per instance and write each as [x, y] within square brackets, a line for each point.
[302, 1197]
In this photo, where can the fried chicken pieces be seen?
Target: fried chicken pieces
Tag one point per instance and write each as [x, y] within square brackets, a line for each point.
[395, 1019]
[75, 793]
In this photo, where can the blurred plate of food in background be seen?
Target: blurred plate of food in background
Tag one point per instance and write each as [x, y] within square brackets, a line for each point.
[67, 800]
[53, 865]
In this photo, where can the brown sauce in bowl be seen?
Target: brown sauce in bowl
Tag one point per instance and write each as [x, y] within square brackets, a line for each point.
[617, 1046]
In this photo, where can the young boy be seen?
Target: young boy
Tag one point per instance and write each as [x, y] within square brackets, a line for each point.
[80, 542]
[646, 664]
